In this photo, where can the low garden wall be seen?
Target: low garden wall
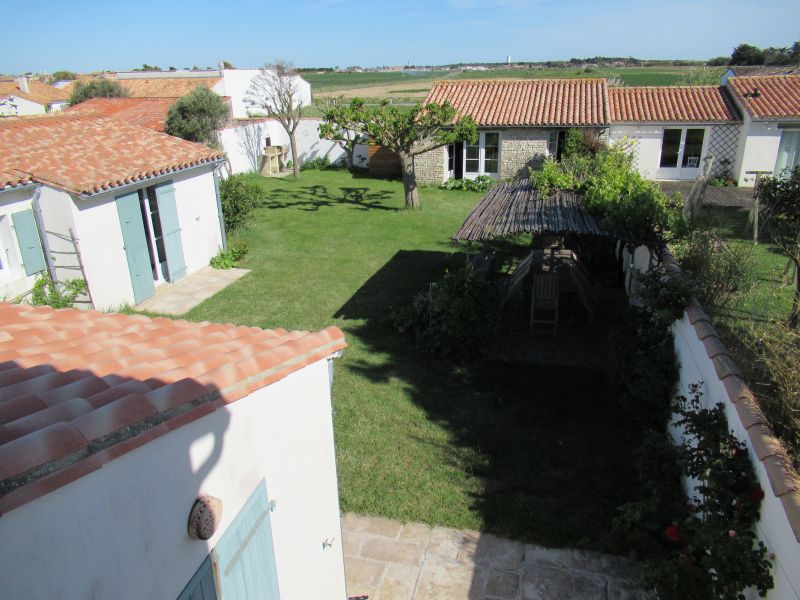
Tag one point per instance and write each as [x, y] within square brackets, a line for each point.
[703, 358]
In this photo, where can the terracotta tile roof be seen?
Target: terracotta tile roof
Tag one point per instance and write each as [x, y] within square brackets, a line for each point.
[144, 112]
[750, 71]
[166, 87]
[38, 92]
[769, 98]
[88, 154]
[13, 178]
[684, 104]
[526, 103]
[79, 388]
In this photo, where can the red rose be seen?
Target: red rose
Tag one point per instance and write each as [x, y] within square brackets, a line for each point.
[673, 533]
[757, 494]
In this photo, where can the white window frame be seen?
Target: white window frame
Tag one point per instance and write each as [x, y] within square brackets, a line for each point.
[481, 145]
[679, 171]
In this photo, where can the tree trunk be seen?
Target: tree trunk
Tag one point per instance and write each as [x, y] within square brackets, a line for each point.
[794, 316]
[295, 164]
[348, 157]
[409, 180]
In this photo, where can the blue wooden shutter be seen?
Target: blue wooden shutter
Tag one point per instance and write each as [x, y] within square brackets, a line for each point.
[30, 246]
[136, 246]
[201, 586]
[245, 557]
[171, 231]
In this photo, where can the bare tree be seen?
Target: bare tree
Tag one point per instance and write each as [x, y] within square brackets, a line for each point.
[275, 92]
[251, 138]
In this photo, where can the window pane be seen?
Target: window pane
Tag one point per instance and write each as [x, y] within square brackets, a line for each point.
[490, 166]
[788, 153]
[693, 147]
[552, 142]
[669, 147]
[472, 165]
[491, 152]
[491, 139]
[472, 152]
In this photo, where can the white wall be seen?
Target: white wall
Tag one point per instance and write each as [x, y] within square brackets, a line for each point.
[774, 528]
[102, 248]
[236, 82]
[120, 532]
[196, 202]
[648, 142]
[20, 106]
[13, 280]
[309, 144]
[58, 216]
[759, 150]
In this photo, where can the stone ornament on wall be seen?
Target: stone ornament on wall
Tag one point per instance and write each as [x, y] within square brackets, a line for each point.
[205, 517]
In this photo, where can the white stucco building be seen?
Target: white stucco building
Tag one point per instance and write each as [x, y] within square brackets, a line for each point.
[22, 96]
[151, 458]
[123, 207]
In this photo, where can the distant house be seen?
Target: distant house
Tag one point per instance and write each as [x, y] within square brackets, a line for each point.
[759, 71]
[770, 141]
[751, 124]
[671, 129]
[152, 458]
[124, 207]
[520, 122]
[23, 96]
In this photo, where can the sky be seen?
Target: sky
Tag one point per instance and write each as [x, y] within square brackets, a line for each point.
[84, 35]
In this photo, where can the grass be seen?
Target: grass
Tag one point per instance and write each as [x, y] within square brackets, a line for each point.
[632, 76]
[536, 452]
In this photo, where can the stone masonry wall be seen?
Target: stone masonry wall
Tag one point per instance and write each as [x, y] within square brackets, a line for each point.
[429, 166]
[521, 149]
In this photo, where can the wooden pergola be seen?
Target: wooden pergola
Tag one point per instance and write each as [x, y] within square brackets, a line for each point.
[516, 207]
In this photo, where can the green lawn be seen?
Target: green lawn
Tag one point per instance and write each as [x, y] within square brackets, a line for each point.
[535, 452]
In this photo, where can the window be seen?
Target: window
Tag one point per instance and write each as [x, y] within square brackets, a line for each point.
[788, 152]
[473, 159]
[5, 246]
[451, 158]
[670, 147]
[491, 149]
[682, 148]
[693, 147]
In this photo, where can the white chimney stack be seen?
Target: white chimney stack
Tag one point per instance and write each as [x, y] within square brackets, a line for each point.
[508, 60]
[22, 83]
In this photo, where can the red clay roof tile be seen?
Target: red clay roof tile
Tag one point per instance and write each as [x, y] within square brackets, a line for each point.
[671, 104]
[143, 112]
[769, 98]
[526, 103]
[143, 378]
[89, 154]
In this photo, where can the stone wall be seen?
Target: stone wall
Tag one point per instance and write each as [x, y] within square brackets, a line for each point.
[521, 149]
[429, 166]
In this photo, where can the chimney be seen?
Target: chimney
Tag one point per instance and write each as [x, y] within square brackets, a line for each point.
[22, 83]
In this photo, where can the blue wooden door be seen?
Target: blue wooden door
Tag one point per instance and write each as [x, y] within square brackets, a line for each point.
[171, 231]
[245, 556]
[136, 247]
[201, 586]
[30, 246]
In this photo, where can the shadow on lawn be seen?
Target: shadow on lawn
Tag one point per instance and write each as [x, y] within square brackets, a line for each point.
[550, 448]
[313, 197]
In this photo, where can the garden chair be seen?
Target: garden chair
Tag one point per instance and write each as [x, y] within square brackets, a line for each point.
[544, 301]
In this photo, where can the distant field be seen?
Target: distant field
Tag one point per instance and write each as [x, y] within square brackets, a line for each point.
[414, 86]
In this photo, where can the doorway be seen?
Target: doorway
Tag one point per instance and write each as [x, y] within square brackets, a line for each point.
[455, 161]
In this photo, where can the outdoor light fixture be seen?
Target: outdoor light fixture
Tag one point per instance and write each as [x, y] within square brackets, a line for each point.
[205, 517]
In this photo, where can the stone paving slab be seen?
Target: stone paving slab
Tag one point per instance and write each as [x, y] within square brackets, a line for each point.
[179, 298]
[390, 560]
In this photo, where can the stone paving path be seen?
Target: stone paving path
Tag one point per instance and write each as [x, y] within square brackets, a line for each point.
[179, 298]
[388, 560]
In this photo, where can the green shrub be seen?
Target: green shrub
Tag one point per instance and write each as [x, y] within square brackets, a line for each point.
[455, 316]
[230, 257]
[581, 142]
[197, 116]
[316, 164]
[47, 292]
[721, 269]
[551, 178]
[239, 195]
[666, 294]
[96, 88]
[482, 183]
